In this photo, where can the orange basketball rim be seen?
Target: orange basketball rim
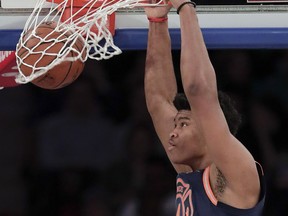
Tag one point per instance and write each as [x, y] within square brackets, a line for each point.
[75, 9]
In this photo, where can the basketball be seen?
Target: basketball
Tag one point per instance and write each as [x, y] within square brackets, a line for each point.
[44, 53]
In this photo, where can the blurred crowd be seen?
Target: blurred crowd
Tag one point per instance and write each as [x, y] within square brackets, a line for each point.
[90, 149]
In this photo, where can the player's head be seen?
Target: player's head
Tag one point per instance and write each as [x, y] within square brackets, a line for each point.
[232, 116]
[187, 136]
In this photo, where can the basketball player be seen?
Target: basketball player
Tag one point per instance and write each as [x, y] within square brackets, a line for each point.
[216, 174]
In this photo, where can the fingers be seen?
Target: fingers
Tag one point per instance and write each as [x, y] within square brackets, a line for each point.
[158, 2]
[157, 8]
[153, 1]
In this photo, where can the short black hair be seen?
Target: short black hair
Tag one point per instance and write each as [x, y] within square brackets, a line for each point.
[231, 114]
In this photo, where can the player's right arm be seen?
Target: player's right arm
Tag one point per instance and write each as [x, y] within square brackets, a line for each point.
[159, 81]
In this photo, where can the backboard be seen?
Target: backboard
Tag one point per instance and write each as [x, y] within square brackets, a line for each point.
[225, 24]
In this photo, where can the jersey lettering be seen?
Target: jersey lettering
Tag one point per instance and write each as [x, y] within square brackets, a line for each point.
[184, 199]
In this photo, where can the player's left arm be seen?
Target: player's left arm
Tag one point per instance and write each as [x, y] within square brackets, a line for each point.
[199, 82]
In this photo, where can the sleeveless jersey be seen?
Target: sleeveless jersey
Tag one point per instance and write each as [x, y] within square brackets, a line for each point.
[195, 197]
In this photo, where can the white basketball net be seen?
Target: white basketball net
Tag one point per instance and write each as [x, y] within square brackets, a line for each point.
[97, 45]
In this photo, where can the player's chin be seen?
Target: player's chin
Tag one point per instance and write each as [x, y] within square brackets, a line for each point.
[177, 159]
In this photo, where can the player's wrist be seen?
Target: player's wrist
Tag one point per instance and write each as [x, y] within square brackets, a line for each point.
[185, 4]
[157, 19]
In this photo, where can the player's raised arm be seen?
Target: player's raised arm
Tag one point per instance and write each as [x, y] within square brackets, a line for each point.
[227, 154]
[160, 82]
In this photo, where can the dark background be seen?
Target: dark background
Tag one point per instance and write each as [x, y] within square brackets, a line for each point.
[89, 149]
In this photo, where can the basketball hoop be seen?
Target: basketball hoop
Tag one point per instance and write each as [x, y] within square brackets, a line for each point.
[89, 21]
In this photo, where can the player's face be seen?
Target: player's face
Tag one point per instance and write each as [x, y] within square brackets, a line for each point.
[186, 145]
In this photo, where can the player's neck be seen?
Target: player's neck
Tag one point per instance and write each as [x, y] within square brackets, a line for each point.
[201, 164]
